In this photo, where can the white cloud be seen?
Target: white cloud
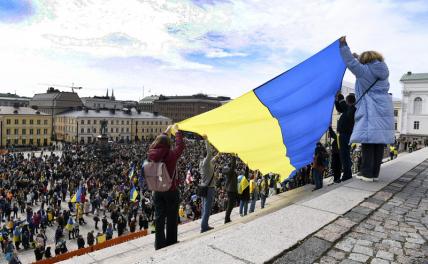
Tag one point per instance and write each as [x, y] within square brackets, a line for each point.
[64, 40]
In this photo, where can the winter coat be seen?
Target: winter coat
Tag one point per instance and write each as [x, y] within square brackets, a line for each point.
[374, 118]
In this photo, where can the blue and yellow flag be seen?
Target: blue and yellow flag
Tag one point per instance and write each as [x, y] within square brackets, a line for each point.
[242, 183]
[77, 197]
[275, 127]
[131, 171]
[133, 194]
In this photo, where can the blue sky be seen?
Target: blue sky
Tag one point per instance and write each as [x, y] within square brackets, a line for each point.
[219, 47]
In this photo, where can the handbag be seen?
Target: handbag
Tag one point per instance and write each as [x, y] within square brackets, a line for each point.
[203, 190]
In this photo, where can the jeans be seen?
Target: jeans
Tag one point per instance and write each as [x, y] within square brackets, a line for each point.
[317, 178]
[243, 207]
[253, 202]
[166, 208]
[231, 203]
[207, 204]
[345, 156]
[372, 155]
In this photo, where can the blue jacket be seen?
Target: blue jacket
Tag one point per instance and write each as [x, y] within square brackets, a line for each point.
[374, 118]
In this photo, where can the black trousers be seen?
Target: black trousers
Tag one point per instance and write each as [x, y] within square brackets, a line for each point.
[166, 208]
[231, 203]
[372, 155]
[336, 166]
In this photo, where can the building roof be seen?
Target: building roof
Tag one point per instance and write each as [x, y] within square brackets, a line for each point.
[103, 113]
[10, 110]
[410, 76]
[149, 99]
[15, 99]
[14, 96]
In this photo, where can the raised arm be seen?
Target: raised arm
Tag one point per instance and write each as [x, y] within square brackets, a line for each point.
[351, 62]
[179, 143]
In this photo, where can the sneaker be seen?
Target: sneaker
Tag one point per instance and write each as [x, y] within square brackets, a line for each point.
[208, 229]
[376, 179]
[366, 179]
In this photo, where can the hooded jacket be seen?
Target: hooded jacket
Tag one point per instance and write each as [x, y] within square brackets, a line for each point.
[374, 117]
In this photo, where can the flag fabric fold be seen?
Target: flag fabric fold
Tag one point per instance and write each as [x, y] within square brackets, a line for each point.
[77, 197]
[275, 127]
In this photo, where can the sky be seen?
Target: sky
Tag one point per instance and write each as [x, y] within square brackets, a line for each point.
[181, 47]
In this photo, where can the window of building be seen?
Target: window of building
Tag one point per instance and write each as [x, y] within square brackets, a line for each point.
[24, 121]
[112, 122]
[136, 123]
[8, 121]
[45, 131]
[121, 130]
[111, 130]
[417, 105]
[395, 112]
[89, 122]
[24, 141]
[117, 122]
[16, 121]
[8, 131]
[15, 141]
[416, 125]
[127, 122]
[45, 122]
[24, 131]
[31, 121]
[123, 122]
[127, 130]
[395, 125]
[31, 131]
[38, 131]
[95, 122]
[15, 131]
[117, 130]
[82, 130]
[95, 130]
[82, 122]
[39, 122]
[31, 141]
[88, 130]
[38, 142]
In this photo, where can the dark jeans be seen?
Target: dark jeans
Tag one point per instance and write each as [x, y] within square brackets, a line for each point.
[231, 203]
[336, 166]
[318, 178]
[372, 155]
[345, 156]
[166, 208]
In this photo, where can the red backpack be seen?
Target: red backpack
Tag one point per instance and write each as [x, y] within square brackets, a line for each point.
[157, 176]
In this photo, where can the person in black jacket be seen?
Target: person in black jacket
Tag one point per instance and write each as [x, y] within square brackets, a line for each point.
[345, 125]
[231, 187]
[80, 242]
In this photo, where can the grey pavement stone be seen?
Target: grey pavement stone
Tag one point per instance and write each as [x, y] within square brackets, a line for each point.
[391, 243]
[379, 261]
[365, 243]
[349, 261]
[355, 217]
[385, 255]
[362, 210]
[346, 244]
[358, 257]
[363, 250]
[328, 260]
[345, 222]
[307, 252]
[339, 255]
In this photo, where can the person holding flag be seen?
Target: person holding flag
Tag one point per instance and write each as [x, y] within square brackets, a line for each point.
[166, 203]
[244, 192]
[208, 179]
[133, 194]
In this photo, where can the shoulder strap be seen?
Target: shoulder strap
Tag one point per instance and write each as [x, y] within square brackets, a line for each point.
[211, 180]
[366, 91]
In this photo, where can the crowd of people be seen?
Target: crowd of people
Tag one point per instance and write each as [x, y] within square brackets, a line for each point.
[36, 194]
[61, 191]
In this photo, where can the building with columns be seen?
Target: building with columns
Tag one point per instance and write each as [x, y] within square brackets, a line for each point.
[84, 126]
[414, 115]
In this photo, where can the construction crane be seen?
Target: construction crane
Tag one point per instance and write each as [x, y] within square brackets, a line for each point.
[65, 86]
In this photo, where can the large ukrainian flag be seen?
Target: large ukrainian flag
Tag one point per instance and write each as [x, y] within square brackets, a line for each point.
[275, 127]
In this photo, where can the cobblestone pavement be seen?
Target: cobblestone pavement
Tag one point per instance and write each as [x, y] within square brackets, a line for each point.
[389, 227]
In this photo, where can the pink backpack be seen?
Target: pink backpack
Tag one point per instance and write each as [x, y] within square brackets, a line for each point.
[157, 176]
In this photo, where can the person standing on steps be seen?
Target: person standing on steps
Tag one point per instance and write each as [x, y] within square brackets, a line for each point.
[231, 187]
[374, 117]
[345, 125]
[208, 181]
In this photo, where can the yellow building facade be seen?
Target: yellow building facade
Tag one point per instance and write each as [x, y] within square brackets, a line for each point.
[23, 126]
